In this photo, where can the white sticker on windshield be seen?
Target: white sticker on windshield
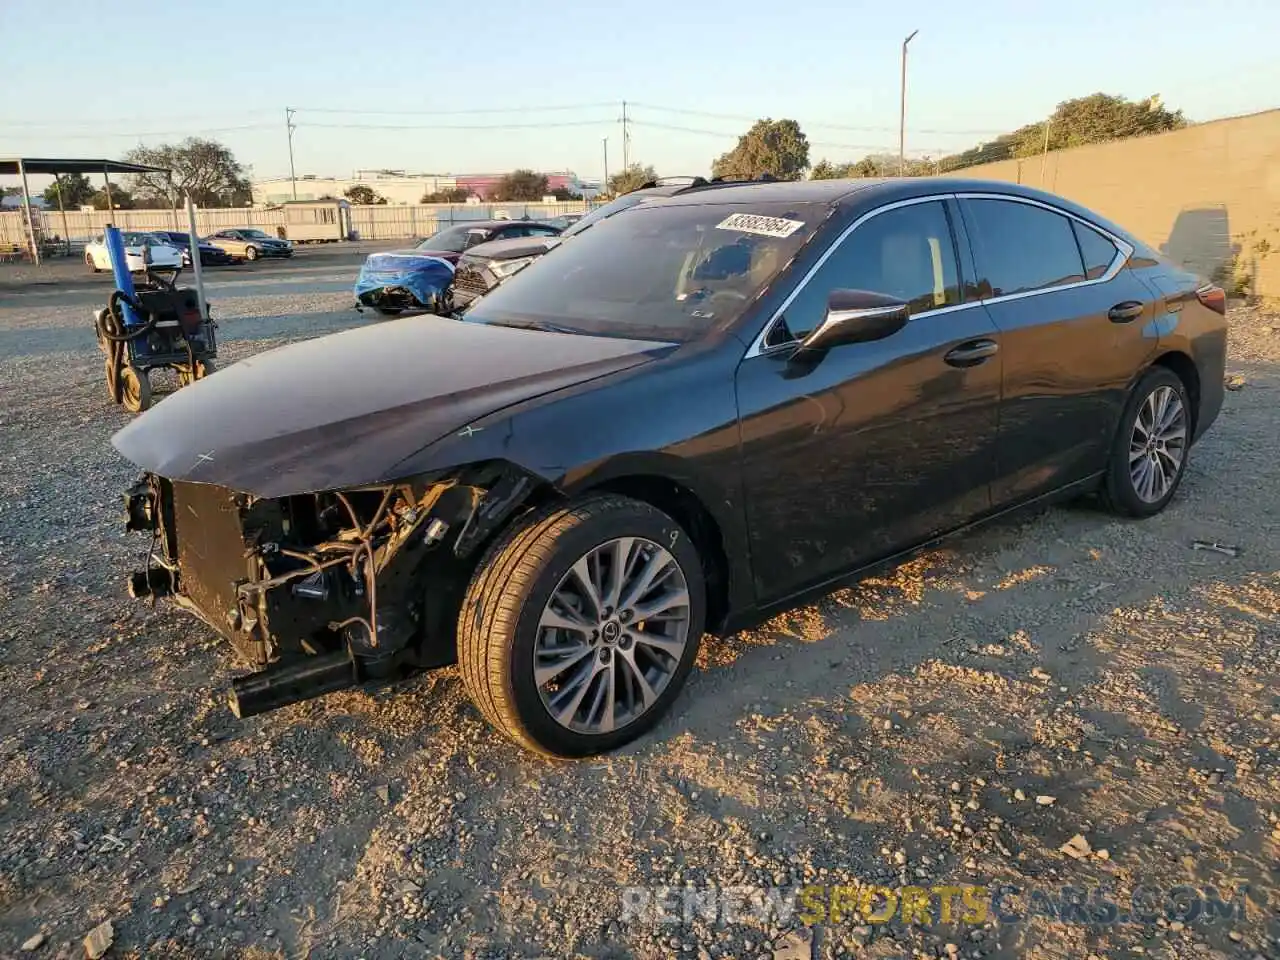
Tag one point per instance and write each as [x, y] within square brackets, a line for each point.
[762, 226]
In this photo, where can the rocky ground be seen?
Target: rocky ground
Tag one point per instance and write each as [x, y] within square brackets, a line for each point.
[1065, 699]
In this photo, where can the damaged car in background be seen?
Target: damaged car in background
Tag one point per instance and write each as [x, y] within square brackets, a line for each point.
[691, 417]
[421, 278]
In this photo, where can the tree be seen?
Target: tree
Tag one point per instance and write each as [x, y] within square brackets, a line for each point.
[1097, 118]
[452, 195]
[777, 148]
[364, 195]
[564, 193]
[632, 178]
[206, 169]
[121, 198]
[826, 170]
[520, 185]
[76, 190]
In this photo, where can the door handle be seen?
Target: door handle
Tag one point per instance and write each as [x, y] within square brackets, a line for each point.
[1125, 312]
[972, 353]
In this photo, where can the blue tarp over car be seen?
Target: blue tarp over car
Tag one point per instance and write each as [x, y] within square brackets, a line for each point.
[404, 281]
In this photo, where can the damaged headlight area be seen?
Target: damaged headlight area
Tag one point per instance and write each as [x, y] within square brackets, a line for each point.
[322, 591]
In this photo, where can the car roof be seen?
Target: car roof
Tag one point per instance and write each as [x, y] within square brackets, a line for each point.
[484, 224]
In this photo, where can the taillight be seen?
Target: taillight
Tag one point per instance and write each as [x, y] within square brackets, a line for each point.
[1213, 297]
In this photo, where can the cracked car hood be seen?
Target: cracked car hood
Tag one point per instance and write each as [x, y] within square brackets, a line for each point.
[345, 409]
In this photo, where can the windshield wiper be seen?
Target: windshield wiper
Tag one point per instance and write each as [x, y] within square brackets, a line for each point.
[542, 325]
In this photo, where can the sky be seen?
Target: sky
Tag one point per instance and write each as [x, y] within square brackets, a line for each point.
[541, 85]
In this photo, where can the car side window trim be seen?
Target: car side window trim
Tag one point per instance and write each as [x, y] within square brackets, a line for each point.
[1124, 250]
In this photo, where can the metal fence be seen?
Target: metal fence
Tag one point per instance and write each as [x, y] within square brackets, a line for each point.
[381, 222]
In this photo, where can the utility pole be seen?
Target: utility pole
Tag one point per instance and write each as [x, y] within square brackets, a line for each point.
[289, 127]
[604, 184]
[1044, 157]
[626, 139]
[902, 116]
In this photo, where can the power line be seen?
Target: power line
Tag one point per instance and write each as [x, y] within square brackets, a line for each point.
[462, 112]
[733, 136]
[117, 121]
[189, 131]
[807, 123]
[445, 126]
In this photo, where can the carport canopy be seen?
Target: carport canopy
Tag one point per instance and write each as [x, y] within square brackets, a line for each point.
[21, 166]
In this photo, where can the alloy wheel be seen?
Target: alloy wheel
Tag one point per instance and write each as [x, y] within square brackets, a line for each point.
[1158, 444]
[612, 635]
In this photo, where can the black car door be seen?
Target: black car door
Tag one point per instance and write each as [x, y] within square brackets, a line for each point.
[1075, 328]
[881, 444]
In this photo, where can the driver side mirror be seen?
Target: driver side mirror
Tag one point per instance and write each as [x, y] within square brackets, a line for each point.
[856, 316]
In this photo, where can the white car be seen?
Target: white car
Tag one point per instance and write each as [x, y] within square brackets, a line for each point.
[137, 247]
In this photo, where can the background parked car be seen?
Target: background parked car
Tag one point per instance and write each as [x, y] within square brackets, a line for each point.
[565, 220]
[138, 247]
[486, 265]
[250, 243]
[449, 243]
[209, 254]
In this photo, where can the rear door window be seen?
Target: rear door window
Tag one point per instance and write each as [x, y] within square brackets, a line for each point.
[1021, 248]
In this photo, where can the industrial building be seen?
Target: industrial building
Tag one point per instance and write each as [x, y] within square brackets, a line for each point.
[400, 187]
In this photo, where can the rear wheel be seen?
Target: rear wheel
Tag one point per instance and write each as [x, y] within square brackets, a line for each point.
[251, 253]
[1149, 455]
[135, 389]
[581, 624]
[89, 262]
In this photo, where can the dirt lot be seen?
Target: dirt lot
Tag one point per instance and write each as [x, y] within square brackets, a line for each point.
[955, 721]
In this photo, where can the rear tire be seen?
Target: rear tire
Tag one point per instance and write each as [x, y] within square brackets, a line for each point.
[135, 389]
[251, 253]
[635, 664]
[88, 262]
[1149, 454]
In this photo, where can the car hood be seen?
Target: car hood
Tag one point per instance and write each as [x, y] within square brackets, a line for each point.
[346, 409]
[512, 249]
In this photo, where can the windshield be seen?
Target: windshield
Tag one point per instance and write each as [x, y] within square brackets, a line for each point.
[451, 239]
[663, 272]
[137, 239]
[608, 210]
[257, 233]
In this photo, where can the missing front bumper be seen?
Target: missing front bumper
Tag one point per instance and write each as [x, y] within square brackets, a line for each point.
[295, 592]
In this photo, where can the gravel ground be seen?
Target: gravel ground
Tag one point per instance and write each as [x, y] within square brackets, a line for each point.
[956, 720]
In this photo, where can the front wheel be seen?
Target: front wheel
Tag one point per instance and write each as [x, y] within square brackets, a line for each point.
[251, 253]
[581, 625]
[89, 262]
[1149, 454]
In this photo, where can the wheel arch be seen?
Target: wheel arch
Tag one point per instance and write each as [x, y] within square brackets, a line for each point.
[705, 514]
[1184, 368]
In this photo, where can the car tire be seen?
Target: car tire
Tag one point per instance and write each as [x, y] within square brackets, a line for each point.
[251, 253]
[89, 262]
[525, 578]
[1146, 466]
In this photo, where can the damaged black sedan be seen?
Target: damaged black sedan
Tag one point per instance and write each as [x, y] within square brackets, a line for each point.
[690, 417]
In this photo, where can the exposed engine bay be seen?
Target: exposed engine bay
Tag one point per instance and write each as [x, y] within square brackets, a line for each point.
[328, 589]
